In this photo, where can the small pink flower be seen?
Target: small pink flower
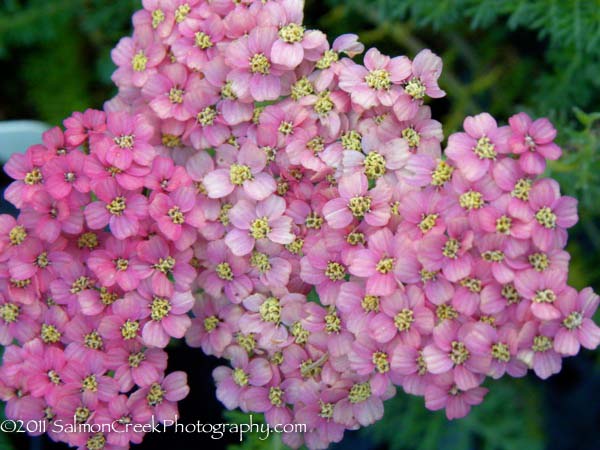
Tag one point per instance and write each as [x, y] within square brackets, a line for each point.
[117, 264]
[426, 69]
[245, 171]
[126, 140]
[254, 222]
[88, 378]
[168, 91]
[198, 42]
[167, 310]
[377, 83]
[246, 372]
[137, 57]
[550, 214]
[403, 314]
[444, 394]
[135, 364]
[124, 413]
[80, 126]
[356, 201]
[120, 209]
[474, 151]
[65, 173]
[254, 75]
[533, 141]
[577, 327]
[537, 351]
[165, 393]
[165, 176]
[177, 215]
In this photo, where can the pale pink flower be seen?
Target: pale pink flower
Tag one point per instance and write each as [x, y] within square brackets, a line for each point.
[533, 140]
[444, 394]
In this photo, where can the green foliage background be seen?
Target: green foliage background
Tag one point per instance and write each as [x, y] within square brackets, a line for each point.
[501, 56]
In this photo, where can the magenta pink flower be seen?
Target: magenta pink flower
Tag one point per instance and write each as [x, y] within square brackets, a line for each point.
[167, 310]
[254, 75]
[245, 171]
[88, 378]
[26, 170]
[499, 344]
[65, 173]
[403, 314]
[135, 364]
[126, 140]
[448, 353]
[168, 91]
[356, 201]
[198, 42]
[165, 176]
[378, 82]
[162, 396]
[122, 210]
[255, 222]
[121, 412]
[17, 321]
[474, 151]
[426, 69]
[533, 141]
[443, 393]
[536, 349]
[577, 327]
[376, 263]
[49, 217]
[364, 408]
[137, 58]
[246, 372]
[80, 126]
[162, 262]
[214, 325]
[177, 215]
[125, 323]
[550, 215]
[117, 264]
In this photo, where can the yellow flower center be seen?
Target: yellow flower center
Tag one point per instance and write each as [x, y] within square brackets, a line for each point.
[428, 222]
[324, 104]
[415, 88]
[459, 353]
[546, 218]
[573, 320]
[240, 377]
[541, 344]
[484, 148]
[93, 341]
[33, 177]
[328, 58]
[404, 319]
[270, 310]
[544, 296]
[17, 235]
[129, 330]
[381, 362]
[313, 221]
[385, 265]
[374, 166]
[500, 352]
[510, 294]
[260, 64]
[493, 256]
[90, 383]
[210, 323]
[291, 33]
[202, 40]
[139, 61]
[276, 396]
[352, 140]
[359, 392]
[239, 173]
[182, 12]
[259, 229]
[10, 312]
[521, 189]
[207, 116]
[471, 200]
[370, 303]
[472, 284]
[335, 271]
[442, 174]
[379, 79]
[177, 217]
[451, 248]
[158, 17]
[176, 95]
[411, 136]
[302, 88]
[359, 206]
[117, 206]
[503, 224]
[155, 395]
[539, 261]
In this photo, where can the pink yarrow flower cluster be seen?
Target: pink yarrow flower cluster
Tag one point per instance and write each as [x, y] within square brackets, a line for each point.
[255, 191]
